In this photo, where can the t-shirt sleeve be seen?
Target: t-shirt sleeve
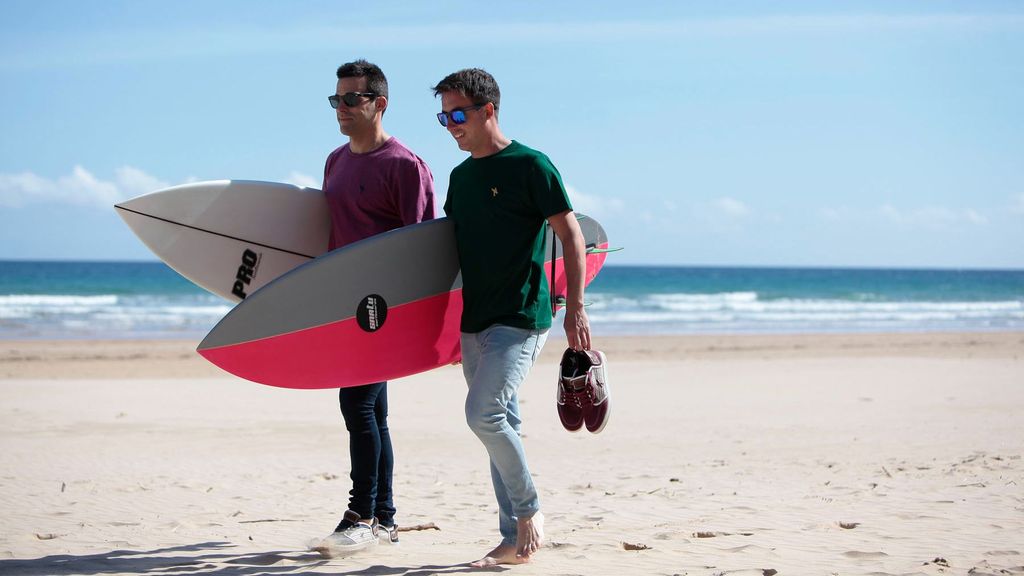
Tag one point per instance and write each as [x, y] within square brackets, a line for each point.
[448, 197]
[331, 240]
[415, 192]
[547, 189]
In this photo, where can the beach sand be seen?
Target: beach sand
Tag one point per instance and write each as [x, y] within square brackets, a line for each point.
[747, 455]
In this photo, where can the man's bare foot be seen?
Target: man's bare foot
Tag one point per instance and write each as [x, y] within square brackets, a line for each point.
[529, 535]
[503, 554]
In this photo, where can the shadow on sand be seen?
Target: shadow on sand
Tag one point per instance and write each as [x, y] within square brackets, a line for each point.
[208, 559]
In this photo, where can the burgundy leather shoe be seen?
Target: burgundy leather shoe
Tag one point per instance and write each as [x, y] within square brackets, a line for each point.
[571, 381]
[583, 390]
[595, 411]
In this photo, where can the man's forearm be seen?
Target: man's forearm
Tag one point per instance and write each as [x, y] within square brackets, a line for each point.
[575, 264]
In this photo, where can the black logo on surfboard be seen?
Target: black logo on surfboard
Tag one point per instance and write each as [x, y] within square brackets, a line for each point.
[245, 273]
[371, 313]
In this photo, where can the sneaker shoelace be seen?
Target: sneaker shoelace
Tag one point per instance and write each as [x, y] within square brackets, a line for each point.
[570, 396]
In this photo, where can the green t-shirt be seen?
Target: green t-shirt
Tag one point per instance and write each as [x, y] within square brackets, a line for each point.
[499, 205]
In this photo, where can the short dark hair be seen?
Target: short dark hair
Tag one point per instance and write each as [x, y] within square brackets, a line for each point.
[474, 83]
[375, 80]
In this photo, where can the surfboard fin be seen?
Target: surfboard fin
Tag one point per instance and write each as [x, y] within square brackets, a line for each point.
[559, 302]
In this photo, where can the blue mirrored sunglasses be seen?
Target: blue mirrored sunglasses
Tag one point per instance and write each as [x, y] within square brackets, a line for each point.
[457, 116]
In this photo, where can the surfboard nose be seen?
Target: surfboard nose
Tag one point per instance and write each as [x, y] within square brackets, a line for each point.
[230, 237]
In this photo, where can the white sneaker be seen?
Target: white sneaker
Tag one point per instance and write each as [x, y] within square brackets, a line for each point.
[359, 536]
[388, 534]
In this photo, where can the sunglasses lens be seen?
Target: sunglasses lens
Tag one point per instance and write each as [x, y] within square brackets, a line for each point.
[442, 118]
[458, 116]
[350, 99]
[333, 100]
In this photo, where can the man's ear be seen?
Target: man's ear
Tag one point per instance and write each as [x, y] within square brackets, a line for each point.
[381, 102]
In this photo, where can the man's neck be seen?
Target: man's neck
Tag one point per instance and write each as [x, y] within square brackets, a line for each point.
[366, 143]
[496, 143]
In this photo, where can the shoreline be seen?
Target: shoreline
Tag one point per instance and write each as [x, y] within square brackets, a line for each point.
[177, 359]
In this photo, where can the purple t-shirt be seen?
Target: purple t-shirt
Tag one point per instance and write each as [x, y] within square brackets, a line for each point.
[368, 194]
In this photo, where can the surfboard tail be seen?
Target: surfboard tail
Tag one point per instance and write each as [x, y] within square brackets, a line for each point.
[595, 261]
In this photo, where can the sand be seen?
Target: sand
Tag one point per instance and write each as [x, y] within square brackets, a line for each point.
[814, 454]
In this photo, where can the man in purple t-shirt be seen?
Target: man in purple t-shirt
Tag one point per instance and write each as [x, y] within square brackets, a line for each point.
[373, 184]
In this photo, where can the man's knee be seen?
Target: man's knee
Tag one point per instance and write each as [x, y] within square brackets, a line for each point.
[484, 417]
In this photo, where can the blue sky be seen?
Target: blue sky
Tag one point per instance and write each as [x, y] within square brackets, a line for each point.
[706, 133]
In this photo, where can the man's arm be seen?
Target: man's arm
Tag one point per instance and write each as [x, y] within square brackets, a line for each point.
[577, 325]
[416, 194]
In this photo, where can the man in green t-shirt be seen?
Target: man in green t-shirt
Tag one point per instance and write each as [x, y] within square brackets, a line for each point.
[499, 199]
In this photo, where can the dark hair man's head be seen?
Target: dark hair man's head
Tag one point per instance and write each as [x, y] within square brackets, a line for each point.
[375, 80]
[473, 83]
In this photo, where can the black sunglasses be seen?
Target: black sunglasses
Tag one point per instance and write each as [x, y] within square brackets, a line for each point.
[350, 98]
[458, 116]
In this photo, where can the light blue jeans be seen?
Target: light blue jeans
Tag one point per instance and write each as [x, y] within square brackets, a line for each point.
[495, 362]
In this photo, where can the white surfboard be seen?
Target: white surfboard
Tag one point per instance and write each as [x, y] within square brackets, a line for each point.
[231, 236]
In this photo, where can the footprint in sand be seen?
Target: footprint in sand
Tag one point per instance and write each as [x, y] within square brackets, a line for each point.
[859, 554]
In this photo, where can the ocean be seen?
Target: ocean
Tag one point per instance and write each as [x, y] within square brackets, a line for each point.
[121, 300]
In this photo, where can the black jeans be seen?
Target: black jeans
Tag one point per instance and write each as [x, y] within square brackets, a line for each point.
[365, 409]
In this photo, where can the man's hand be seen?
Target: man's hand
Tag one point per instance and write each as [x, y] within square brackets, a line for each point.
[577, 329]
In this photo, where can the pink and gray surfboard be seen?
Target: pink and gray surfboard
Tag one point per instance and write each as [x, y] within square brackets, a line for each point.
[383, 308]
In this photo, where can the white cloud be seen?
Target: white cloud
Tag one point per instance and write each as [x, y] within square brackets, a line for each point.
[300, 179]
[934, 215]
[931, 216]
[975, 218]
[80, 188]
[132, 181]
[593, 205]
[890, 212]
[731, 207]
[831, 214]
[723, 215]
[1017, 204]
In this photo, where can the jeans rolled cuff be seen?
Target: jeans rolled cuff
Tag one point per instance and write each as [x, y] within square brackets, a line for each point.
[527, 512]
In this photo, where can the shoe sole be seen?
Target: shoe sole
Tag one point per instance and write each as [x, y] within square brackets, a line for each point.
[607, 395]
[330, 550]
[385, 537]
